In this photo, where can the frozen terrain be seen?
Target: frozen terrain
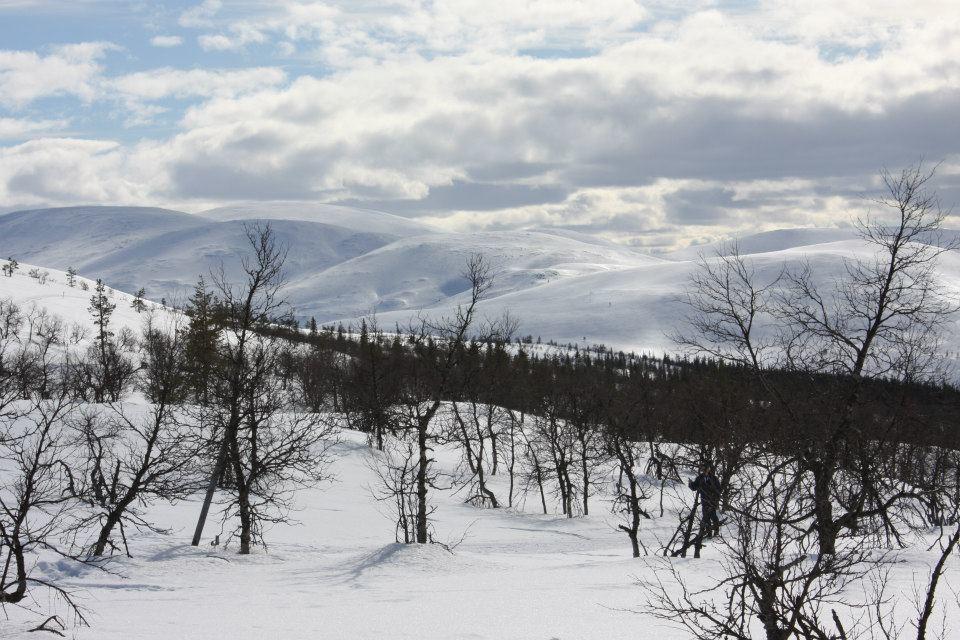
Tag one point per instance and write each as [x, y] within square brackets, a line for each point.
[337, 573]
[346, 263]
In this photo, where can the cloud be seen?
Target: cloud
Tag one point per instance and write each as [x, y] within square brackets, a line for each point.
[200, 15]
[240, 35]
[166, 41]
[64, 170]
[344, 33]
[167, 82]
[697, 101]
[654, 124]
[72, 69]
[15, 128]
[139, 92]
[709, 206]
[217, 42]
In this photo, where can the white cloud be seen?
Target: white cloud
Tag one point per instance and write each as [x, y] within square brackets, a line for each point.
[200, 15]
[166, 41]
[217, 42]
[241, 34]
[167, 82]
[15, 128]
[345, 32]
[72, 69]
[65, 170]
[138, 91]
[651, 123]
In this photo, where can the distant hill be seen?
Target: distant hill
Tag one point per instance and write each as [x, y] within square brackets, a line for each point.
[346, 263]
[765, 242]
[166, 251]
[366, 220]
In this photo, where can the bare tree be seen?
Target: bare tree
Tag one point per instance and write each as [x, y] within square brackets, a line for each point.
[438, 348]
[136, 457]
[270, 449]
[881, 320]
[818, 355]
[245, 308]
[395, 466]
[35, 507]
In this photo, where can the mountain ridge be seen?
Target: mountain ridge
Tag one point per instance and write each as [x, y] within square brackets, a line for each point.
[561, 286]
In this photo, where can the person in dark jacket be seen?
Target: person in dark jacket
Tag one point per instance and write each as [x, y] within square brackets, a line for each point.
[707, 485]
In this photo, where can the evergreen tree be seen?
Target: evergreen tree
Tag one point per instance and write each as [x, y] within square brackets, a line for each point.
[202, 340]
[313, 326]
[71, 276]
[109, 369]
[138, 305]
[10, 267]
[101, 308]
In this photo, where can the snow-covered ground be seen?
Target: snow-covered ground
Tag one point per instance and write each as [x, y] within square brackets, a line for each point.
[516, 574]
[337, 573]
[345, 263]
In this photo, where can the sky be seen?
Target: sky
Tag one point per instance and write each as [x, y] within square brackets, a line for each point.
[655, 124]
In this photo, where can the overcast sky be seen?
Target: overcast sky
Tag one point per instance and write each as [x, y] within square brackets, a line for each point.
[653, 123]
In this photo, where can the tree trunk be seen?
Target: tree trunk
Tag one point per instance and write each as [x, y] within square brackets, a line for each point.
[215, 479]
[823, 509]
[513, 461]
[243, 495]
[584, 469]
[101, 545]
[543, 495]
[422, 481]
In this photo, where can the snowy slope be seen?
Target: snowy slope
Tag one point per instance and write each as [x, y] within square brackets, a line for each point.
[71, 303]
[639, 307]
[420, 272]
[336, 572]
[366, 220]
[765, 242]
[347, 263]
[169, 264]
[165, 251]
[68, 236]
[783, 239]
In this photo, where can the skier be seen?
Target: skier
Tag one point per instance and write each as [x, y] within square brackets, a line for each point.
[708, 486]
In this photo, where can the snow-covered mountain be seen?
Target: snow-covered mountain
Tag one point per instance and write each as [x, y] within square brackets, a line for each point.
[765, 242]
[365, 220]
[166, 251]
[425, 271]
[345, 263]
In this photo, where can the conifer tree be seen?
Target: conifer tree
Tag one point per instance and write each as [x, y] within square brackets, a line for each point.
[110, 369]
[101, 309]
[71, 276]
[202, 339]
[138, 304]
